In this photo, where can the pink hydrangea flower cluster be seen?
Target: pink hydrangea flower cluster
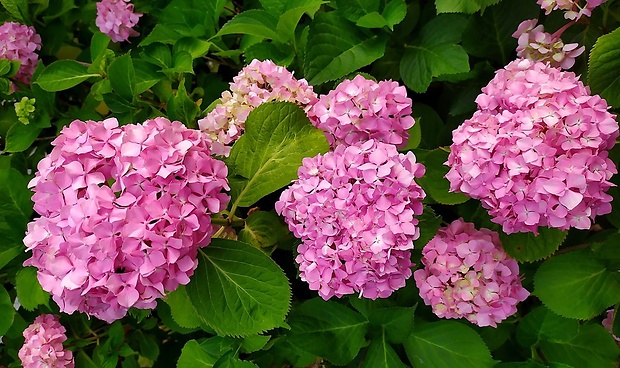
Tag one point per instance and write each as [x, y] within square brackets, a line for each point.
[535, 44]
[123, 213]
[608, 323]
[116, 19]
[353, 208]
[467, 274]
[257, 83]
[43, 345]
[361, 109]
[20, 42]
[536, 151]
[573, 9]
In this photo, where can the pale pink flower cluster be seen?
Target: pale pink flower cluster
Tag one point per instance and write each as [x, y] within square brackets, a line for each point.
[116, 19]
[536, 151]
[123, 213]
[353, 208]
[19, 42]
[361, 109]
[467, 274]
[608, 323]
[537, 45]
[573, 9]
[257, 83]
[43, 346]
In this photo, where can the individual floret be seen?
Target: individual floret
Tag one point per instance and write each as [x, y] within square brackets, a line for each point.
[573, 9]
[20, 43]
[43, 344]
[468, 275]
[361, 109]
[353, 208]
[123, 213]
[257, 83]
[536, 151]
[537, 45]
[116, 19]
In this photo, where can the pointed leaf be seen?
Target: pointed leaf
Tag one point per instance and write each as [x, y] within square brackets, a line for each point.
[434, 183]
[381, 354]
[254, 22]
[63, 74]
[543, 325]
[462, 6]
[527, 247]
[182, 309]
[262, 229]
[7, 312]
[604, 66]
[29, 291]
[593, 347]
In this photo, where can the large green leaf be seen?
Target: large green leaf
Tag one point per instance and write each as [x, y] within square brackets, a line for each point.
[7, 311]
[29, 291]
[63, 74]
[238, 290]
[256, 22]
[394, 323]
[434, 183]
[20, 137]
[262, 229]
[576, 285]
[327, 329]
[293, 12]
[123, 77]
[593, 347]
[527, 247]
[336, 47]
[447, 344]
[355, 9]
[204, 354]
[278, 135]
[381, 354]
[435, 52]
[604, 67]
[462, 6]
[181, 308]
[543, 325]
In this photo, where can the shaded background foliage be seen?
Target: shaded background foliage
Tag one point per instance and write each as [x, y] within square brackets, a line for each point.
[444, 51]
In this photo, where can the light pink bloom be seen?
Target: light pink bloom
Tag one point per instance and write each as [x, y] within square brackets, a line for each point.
[537, 45]
[536, 151]
[116, 19]
[573, 9]
[19, 42]
[123, 213]
[353, 208]
[361, 109]
[257, 83]
[608, 323]
[467, 274]
[43, 346]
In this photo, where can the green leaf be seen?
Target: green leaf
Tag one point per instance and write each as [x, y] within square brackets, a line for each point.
[278, 135]
[593, 347]
[18, 9]
[204, 354]
[29, 291]
[603, 67]
[327, 329]
[396, 323]
[9, 252]
[381, 354]
[98, 45]
[262, 229]
[84, 361]
[63, 74]
[429, 224]
[254, 343]
[15, 203]
[527, 247]
[231, 361]
[447, 344]
[20, 137]
[182, 62]
[434, 183]
[280, 54]
[7, 312]
[434, 52]
[394, 12]
[238, 290]
[123, 77]
[336, 48]
[182, 309]
[543, 325]
[181, 107]
[353, 10]
[275, 7]
[254, 22]
[576, 285]
[462, 6]
[294, 10]
[157, 54]
[196, 47]
[146, 75]
[162, 34]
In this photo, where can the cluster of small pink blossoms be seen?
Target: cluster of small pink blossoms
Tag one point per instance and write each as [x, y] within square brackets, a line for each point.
[360, 109]
[116, 19]
[123, 213]
[537, 45]
[353, 208]
[536, 151]
[573, 9]
[20, 43]
[467, 274]
[43, 345]
[257, 83]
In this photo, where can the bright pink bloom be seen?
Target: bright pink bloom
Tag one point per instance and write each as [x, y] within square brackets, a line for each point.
[43, 346]
[353, 208]
[19, 42]
[608, 323]
[536, 151]
[123, 213]
[467, 274]
[257, 83]
[537, 45]
[116, 19]
[573, 9]
[361, 109]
